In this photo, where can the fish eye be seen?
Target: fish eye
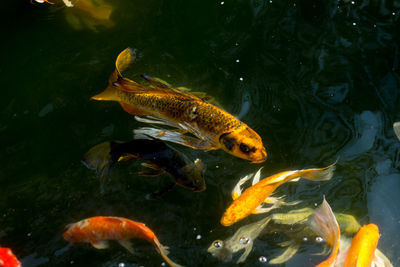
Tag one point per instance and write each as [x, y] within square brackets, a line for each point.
[244, 148]
[218, 244]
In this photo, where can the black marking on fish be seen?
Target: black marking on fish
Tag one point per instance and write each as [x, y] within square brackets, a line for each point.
[228, 142]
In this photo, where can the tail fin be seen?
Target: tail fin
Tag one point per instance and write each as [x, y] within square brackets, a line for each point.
[99, 159]
[164, 252]
[318, 174]
[324, 223]
[124, 61]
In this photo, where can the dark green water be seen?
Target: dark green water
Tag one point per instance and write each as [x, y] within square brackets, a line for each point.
[320, 79]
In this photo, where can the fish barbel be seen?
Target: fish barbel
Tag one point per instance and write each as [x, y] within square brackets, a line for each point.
[360, 252]
[252, 199]
[98, 230]
[213, 127]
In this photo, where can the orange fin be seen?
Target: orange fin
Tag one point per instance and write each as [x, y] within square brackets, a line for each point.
[131, 110]
[323, 222]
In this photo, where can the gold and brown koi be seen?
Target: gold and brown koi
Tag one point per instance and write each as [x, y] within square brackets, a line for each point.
[213, 127]
[252, 199]
[98, 230]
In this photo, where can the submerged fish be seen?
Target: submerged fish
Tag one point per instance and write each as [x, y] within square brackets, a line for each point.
[213, 127]
[41, 1]
[396, 128]
[98, 230]
[160, 157]
[253, 198]
[361, 251]
[245, 236]
[8, 259]
[242, 239]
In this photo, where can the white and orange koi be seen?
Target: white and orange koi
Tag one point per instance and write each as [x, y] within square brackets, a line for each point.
[98, 230]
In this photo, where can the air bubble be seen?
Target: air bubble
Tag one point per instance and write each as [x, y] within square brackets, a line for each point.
[241, 78]
[121, 264]
[319, 239]
[237, 60]
[163, 264]
[198, 237]
[244, 240]
[222, 3]
[354, 24]
[305, 239]
[262, 259]
[217, 244]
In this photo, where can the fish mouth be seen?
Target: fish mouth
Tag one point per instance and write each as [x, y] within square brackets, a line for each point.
[262, 159]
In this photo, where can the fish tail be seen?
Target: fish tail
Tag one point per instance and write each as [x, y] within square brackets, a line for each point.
[124, 60]
[317, 174]
[100, 158]
[164, 252]
[323, 223]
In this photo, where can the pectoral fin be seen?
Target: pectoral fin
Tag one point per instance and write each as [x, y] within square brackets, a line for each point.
[174, 137]
[101, 244]
[153, 170]
[237, 191]
[126, 244]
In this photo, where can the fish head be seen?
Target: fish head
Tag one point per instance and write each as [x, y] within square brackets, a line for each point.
[244, 143]
[76, 232]
[220, 251]
[193, 176]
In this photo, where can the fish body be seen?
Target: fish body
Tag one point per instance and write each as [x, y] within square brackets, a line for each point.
[162, 158]
[243, 238]
[8, 259]
[360, 252]
[98, 230]
[251, 199]
[42, 1]
[363, 246]
[213, 127]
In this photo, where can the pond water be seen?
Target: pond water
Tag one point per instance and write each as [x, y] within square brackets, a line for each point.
[318, 80]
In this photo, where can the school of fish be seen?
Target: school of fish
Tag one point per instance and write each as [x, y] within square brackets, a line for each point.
[200, 123]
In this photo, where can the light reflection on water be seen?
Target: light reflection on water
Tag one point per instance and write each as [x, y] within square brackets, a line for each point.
[315, 87]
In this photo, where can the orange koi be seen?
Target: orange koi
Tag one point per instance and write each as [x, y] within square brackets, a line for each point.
[7, 258]
[252, 199]
[213, 127]
[360, 252]
[98, 230]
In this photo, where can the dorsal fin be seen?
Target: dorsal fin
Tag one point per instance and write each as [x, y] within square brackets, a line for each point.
[156, 82]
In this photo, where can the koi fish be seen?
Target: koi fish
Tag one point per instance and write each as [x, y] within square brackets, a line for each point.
[42, 1]
[213, 127]
[396, 128]
[361, 251]
[98, 230]
[252, 199]
[298, 222]
[8, 259]
[244, 237]
[160, 157]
